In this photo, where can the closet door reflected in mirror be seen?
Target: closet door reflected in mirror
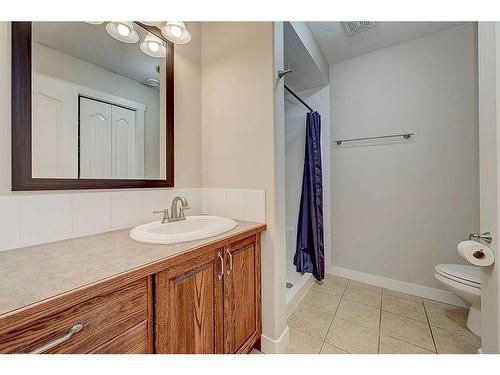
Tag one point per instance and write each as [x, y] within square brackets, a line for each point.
[101, 111]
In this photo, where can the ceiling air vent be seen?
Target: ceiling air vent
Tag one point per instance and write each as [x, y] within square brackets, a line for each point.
[354, 27]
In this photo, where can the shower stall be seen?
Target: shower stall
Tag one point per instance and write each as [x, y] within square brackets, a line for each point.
[306, 90]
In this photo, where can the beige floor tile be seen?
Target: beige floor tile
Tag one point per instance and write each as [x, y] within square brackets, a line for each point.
[408, 330]
[439, 305]
[391, 345]
[300, 343]
[321, 301]
[404, 307]
[447, 316]
[330, 349]
[311, 321]
[331, 284]
[363, 315]
[364, 285]
[402, 295]
[352, 337]
[448, 342]
[363, 295]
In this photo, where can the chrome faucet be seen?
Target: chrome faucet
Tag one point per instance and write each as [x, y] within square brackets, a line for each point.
[178, 215]
[175, 215]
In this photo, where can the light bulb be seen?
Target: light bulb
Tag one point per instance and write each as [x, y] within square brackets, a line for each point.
[123, 30]
[176, 31]
[153, 46]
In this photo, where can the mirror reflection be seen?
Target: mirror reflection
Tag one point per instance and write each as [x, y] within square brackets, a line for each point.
[98, 101]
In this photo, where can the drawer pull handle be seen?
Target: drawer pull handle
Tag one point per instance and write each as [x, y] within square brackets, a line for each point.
[52, 344]
[221, 273]
[230, 261]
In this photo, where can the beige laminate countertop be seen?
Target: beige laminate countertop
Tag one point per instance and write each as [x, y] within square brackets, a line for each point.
[36, 273]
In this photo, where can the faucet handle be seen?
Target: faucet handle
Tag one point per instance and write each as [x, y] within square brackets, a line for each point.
[181, 211]
[165, 214]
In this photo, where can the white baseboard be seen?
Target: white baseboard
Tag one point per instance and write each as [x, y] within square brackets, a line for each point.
[400, 286]
[270, 346]
[298, 291]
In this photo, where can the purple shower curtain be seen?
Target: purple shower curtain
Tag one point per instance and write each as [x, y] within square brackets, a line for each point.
[309, 254]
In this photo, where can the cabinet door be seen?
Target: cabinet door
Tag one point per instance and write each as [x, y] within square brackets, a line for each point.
[242, 301]
[189, 310]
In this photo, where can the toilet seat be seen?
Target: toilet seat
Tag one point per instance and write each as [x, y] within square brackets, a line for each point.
[463, 274]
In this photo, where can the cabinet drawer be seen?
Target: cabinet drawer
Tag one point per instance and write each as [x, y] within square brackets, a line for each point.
[133, 341]
[102, 318]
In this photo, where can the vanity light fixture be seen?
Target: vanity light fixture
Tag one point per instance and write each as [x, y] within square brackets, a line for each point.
[95, 22]
[122, 31]
[176, 32]
[153, 46]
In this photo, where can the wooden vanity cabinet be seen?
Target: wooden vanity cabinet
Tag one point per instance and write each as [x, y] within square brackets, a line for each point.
[205, 300]
[242, 296]
[211, 304]
[188, 309]
[116, 319]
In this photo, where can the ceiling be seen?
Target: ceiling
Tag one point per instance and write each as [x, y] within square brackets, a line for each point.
[337, 46]
[305, 73]
[93, 44]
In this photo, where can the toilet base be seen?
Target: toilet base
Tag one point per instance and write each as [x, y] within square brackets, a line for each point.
[474, 321]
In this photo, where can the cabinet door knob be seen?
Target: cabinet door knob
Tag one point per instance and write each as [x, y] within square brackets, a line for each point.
[230, 261]
[221, 273]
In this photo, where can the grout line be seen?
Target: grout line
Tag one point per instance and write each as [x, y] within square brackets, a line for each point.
[380, 321]
[430, 329]
[381, 309]
[337, 347]
[406, 317]
[321, 347]
[410, 343]
[362, 303]
[335, 313]
[456, 332]
[308, 334]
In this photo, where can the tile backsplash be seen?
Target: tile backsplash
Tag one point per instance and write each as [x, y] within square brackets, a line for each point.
[235, 203]
[34, 219]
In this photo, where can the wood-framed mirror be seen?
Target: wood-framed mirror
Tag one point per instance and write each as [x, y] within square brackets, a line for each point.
[92, 106]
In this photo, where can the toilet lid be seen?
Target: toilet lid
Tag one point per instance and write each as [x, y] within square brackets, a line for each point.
[470, 275]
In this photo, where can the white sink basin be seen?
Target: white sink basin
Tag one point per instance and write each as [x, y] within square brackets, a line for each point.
[192, 229]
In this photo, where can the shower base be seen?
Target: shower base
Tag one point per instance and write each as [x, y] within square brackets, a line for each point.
[298, 290]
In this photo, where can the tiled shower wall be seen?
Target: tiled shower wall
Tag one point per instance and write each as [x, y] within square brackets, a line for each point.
[34, 219]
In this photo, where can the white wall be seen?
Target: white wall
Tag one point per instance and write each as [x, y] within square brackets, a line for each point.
[489, 152]
[238, 137]
[295, 132]
[400, 207]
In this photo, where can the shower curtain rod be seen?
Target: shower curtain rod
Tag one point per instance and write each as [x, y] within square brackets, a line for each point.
[298, 98]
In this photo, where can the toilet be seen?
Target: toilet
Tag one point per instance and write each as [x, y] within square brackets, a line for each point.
[465, 282]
